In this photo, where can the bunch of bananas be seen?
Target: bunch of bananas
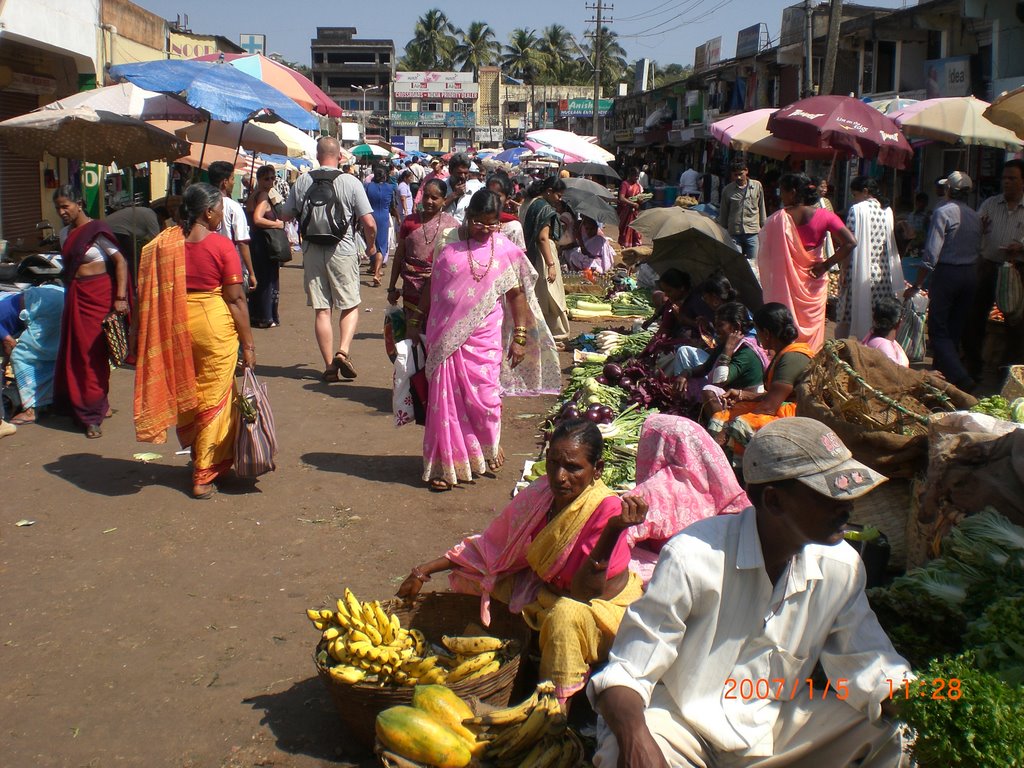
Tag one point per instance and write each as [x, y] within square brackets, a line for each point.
[532, 734]
[361, 643]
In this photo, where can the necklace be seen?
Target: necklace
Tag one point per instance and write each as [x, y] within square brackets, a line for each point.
[436, 229]
[473, 263]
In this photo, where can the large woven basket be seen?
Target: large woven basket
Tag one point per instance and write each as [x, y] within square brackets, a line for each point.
[1014, 385]
[434, 614]
[889, 508]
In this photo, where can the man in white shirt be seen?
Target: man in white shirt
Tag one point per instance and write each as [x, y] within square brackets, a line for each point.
[689, 183]
[713, 666]
[460, 186]
[234, 226]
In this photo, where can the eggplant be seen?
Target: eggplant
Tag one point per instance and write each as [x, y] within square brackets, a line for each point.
[593, 416]
[606, 411]
[608, 419]
[612, 372]
[626, 382]
[570, 413]
[602, 379]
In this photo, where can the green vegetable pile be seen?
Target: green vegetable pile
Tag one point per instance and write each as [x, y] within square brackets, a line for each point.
[962, 616]
[636, 303]
[1001, 408]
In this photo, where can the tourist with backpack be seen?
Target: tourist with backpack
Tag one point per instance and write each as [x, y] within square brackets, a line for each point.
[328, 205]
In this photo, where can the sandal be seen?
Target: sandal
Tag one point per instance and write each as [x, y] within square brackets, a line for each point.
[375, 282]
[21, 419]
[343, 365]
[330, 374]
[198, 491]
[439, 486]
[93, 431]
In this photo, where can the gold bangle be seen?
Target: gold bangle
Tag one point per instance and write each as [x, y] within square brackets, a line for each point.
[520, 328]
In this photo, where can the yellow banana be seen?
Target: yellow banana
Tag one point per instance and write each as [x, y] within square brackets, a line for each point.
[420, 666]
[355, 610]
[332, 632]
[468, 667]
[509, 716]
[530, 761]
[326, 615]
[342, 616]
[488, 669]
[313, 614]
[435, 676]
[521, 737]
[333, 650]
[551, 754]
[572, 751]
[419, 641]
[400, 678]
[396, 628]
[382, 622]
[347, 674]
[321, 625]
[367, 613]
[357, 636]
[471, 646]
[360, 648]
[373, 634]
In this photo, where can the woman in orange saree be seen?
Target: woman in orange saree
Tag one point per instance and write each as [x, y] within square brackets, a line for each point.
[790, 262]
[192, 315]
[747, 411]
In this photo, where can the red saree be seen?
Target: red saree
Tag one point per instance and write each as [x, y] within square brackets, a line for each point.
[628, 237]
[83, 368]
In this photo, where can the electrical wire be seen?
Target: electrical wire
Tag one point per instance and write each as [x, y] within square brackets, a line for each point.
[649, 33]
[650, 13]
[692, 6]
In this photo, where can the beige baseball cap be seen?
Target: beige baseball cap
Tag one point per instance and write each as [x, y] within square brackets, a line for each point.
[804, 449]
[957, 180]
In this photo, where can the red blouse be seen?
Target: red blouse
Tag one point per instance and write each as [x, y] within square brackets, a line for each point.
[211, 263]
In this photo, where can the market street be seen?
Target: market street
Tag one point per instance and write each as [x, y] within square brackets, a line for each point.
[143, 627]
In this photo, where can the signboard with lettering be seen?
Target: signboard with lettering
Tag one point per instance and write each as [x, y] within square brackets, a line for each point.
[405, 119]
[435, 85]
[748, 41]
[398, 142]
[182, 45]
[948, 77]
[714, 54]
[585, 107]
[412, 143]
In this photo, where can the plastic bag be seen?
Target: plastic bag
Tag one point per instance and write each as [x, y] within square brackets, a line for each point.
[256, 441]
[409, 392]
[910, 336]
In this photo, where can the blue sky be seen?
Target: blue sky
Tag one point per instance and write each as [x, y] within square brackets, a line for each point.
[664, 30]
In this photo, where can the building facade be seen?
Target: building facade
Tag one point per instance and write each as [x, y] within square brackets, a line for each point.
[356, 73]
[434, 111]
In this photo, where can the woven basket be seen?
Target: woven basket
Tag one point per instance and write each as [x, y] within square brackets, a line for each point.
[889, 508]
[1014, 386]
[434, 614]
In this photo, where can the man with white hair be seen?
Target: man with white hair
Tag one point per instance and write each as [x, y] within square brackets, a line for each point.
[328, 205]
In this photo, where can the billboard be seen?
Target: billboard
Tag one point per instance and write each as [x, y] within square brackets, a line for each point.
[253, 43]
[700, 57]
[642, 68]
[748, 41]
[714, 50]
[947, 77]
[435, 85]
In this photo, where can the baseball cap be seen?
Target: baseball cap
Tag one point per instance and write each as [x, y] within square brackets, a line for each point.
[804, 449]
[957, 180]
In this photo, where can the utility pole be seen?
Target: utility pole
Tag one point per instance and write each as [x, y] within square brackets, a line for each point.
[835, 20]
[808, 50]
[598, 8]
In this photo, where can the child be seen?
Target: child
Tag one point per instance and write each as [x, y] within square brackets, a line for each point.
[885, 317]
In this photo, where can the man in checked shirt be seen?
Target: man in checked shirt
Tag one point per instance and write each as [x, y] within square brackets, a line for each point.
[711, 668]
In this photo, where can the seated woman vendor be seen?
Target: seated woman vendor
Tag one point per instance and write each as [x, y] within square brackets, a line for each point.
[745, 412]
[558, 555]
[736, 362]
[678, 309]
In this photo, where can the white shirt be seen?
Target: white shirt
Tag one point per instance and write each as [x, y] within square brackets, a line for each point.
[710, 614]
[458, 210]
[234, 225]
[689, 182]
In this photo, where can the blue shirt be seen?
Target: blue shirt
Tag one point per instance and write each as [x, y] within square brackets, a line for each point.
[954, 236]
[11, 323]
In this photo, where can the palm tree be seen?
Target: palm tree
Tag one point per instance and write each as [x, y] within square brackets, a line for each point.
[556, 45]
[433, 43]
[477, 47]
[521, 57]
[613, 57]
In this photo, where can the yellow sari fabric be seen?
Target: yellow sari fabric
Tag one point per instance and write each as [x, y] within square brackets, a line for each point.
[548, 553]
[210, 428]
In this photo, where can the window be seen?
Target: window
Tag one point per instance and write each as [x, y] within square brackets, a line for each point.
[318, 58]
[430, 133]
[461, 106]
[431, 106]
[885, 70]
[462, 133]
[403, 106]
[516, 107]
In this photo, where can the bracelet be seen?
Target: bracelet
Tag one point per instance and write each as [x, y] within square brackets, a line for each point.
[520, 329]
[420, 575]
[724, 359]
[249, 347]
[413, 322]
[120, 298]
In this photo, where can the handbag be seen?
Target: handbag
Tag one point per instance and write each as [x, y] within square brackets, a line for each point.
[256, 440]
[910, 335]
[394, 331]
[418, 386]
[1010, 292]
[115, 330]
[279, 247]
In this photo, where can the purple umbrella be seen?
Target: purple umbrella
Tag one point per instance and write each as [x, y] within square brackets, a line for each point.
[844, 124]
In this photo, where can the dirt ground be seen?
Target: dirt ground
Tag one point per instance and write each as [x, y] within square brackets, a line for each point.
[141, 627]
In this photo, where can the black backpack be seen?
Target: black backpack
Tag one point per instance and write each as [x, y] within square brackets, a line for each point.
[323, 218]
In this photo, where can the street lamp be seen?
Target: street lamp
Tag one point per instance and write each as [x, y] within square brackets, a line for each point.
[363, 89]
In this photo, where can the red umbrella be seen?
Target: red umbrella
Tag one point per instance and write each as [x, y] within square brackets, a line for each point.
[845, 124]
[294, 84]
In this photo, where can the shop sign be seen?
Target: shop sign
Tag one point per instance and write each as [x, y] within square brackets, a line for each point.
[748, 41]
[92, 184]
[412, 143]
[624, 135]
[398, 142]
[405, 119]
[585, 107]
[435, 85]
[948, 77]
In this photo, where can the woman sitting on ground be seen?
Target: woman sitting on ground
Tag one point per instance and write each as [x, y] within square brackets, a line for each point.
[558, 555]
[594, 251]
[717, 290]
[885, 316]
[746, 412]
[192, 317]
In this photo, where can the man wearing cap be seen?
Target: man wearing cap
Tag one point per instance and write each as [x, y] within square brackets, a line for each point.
[712, 667]
[950, 256]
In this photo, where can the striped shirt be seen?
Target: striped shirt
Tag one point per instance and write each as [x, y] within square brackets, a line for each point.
[1005, 226]
[954, 236]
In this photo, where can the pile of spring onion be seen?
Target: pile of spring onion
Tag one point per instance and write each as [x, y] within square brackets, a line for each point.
[614, 343]
[636, 303]
[590, 309]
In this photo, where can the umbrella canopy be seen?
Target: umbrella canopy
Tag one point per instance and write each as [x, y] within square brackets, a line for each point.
[294, 85]
[593, 169]
[594, 208]
[95, 136]
[888, 106]
[511, 156]
[748, 132]
[129, 100]
[251, 136]
[697, 245]
[956, 120]
[588, 187]
[223, 92]
[845, 124]
[1008, 111]
[570, 144]
[369, 150]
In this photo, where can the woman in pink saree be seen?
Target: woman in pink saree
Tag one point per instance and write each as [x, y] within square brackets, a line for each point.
[485, 337]
[790, 260]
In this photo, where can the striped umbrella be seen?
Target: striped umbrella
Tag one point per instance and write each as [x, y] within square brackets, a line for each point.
[294, 85]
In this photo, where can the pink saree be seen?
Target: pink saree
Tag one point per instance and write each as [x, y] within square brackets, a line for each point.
[467, 337]
[684, 476]
[785, 269]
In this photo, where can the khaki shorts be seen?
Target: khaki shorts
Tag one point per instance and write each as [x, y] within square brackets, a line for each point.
[332, 277]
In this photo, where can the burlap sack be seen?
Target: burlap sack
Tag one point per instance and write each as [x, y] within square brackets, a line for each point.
[838, 400]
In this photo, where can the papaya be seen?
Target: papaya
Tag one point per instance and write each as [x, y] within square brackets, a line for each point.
[444, 705]
[417, 736]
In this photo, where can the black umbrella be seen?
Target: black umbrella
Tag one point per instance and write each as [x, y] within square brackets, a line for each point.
[589, 204]
[593, 169]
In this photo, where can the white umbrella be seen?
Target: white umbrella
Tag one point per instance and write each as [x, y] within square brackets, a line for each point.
[301, 142]
[955, 120]
[130, 101]
[564, 141]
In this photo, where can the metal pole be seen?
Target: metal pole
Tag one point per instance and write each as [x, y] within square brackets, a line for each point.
[808, 50]
[202, 152]
[597, 65]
